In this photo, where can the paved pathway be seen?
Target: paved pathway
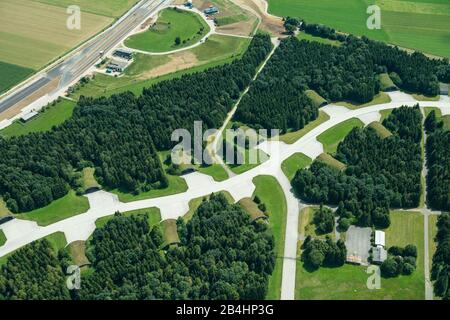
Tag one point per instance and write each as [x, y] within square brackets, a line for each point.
[80, 227]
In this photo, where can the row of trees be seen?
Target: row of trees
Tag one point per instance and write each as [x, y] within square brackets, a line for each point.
[440, 272]
[120, 135]
[380, 173]
[438, 163]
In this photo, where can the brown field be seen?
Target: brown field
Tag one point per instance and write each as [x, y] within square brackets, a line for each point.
[32, 34]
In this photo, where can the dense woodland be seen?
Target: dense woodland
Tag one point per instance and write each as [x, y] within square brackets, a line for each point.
[380, 173]
[120, 135]
[222, 255]
[33, 273]
[440, 272]
[346, 72]
[400, 261]
[438, 163]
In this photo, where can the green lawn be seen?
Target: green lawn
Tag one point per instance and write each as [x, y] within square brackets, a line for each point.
[170, 232]
[291, 165]
[421, 97]
[4, 211]
[417, 24]
[49, 117]
[216, 171]
[316, 98]
[333, 136]
[246, 166]
[218, 50]
[306, 226]
[306, 36]
[89, 181]
[270, 193]
[63, 208]
[176, 185]
[2, 238]
[171, 23]
[15, 74]
[432, 231]
[386, 81]
[349, 281]
[379, 98]
[292, 137]
[154, 216]
[108, 8]
[380, 129]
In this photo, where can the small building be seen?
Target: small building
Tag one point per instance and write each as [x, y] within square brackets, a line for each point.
[443, 89]
[379, 255]
[211, 10]
[116, 66]
[123, 53]
[27, 117]
[380, 238]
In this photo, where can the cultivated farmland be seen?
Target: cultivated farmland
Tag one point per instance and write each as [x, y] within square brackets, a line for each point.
[428, 19]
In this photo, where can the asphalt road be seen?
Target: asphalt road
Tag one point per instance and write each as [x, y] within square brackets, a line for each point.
[87, 55]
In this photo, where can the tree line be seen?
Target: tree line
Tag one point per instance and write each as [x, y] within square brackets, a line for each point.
[120, 135]
[347, 72]
[440, 271]
[222, 255]
[438, 163]
[380, 173]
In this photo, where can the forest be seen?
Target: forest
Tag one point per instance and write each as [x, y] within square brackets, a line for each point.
[440, 271]
[222, 255]
[380, 174]
[438, 163]
[317, 253]
[337, 73]
[120, 135]
[33, 272]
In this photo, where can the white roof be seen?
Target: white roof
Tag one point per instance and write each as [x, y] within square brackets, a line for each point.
[379, 238]
[29, 115]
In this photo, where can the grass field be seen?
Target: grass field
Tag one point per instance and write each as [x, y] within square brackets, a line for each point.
[57, 241]
[15, 75]
[379, 98]
[33, 33]
[421, 97]
[385, 114]
[216, 171]
[77, 250]
[4, 211]
[216, 51]
[306, 226]
[380, 129]
[154, 216]
[316, 98]
[291, 165]
[49, 117]
[445, 119]
[306, 36]
[432, 231]
[2, 238]
[333, 136]
[170, 233]
[417, 24]
[332, 162]
[292, 137]
[171, 23]
[270, 193]
[176, 185]
[386, 82]
[349, 281]
[251, 208]
[63, 208]
[108, 8]
[89, 181]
